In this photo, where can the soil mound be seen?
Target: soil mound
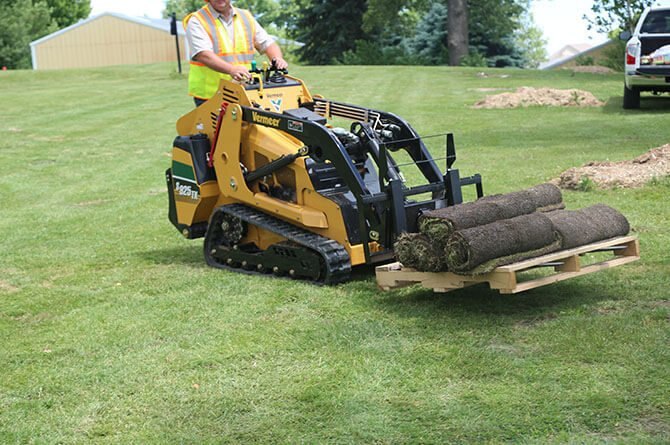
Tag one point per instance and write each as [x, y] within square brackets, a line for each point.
[625, 174]
[527, 96]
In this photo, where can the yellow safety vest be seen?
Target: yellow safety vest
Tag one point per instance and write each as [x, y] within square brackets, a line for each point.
[203, 81]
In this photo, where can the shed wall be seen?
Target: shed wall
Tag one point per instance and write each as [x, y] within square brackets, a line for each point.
[107, 41]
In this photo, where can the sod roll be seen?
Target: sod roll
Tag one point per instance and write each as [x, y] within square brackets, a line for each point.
[542, 198]
[439, 224]
[588, 225]
[415, 250]
[481, 249]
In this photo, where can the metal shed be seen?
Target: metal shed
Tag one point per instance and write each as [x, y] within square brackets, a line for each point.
[108, 39]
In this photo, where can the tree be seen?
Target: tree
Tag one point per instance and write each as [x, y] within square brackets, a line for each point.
[181, 8]
[490, 36]
[408, 31]
[266, 11]
[22, 21]
[492, 24]
[390, 27]
[457, 30]
[394, 17]
[531, 45]
[429, 43]
[491, 29]
[615, 14]
[328, 29]
[290, 12]
[67, 12]
[530, 41]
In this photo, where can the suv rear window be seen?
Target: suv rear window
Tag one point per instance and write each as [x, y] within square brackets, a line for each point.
[657, 22]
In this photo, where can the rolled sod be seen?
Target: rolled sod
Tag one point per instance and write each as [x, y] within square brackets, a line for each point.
[588, 225]
[415, 250]
[478, 250]
[439, 224]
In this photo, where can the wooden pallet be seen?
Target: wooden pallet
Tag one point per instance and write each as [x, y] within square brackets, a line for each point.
[510, 279]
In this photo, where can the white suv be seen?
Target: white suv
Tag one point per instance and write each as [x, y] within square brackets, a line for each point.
[647, 56]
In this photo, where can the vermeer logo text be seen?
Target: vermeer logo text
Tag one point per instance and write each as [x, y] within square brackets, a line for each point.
[265, 120]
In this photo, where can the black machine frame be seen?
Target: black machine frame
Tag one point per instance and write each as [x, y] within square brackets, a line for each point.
[385, 214]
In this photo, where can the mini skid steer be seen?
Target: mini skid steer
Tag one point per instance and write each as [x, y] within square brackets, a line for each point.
[274, 187]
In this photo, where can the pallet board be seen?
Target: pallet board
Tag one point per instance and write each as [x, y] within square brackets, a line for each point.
[510, 279]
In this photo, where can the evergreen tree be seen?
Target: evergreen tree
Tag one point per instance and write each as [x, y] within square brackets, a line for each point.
[495, 34]
[429, 43]
[492, 27]
[328, 29]
[290, 12]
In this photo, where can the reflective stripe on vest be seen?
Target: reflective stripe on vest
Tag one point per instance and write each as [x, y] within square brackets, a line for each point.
[203, 81]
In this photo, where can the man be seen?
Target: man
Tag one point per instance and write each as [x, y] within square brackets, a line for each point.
[223, 41]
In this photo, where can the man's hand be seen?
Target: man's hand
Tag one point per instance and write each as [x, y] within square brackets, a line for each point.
[273, 52]
[211, 60]
[239, 73]
[280, 63]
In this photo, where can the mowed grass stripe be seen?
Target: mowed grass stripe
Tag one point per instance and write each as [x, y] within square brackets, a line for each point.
[115, 331]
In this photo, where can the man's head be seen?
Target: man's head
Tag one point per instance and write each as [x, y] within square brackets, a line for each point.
[221, 6]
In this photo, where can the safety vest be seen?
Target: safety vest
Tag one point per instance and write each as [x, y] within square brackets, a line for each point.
[203, 81]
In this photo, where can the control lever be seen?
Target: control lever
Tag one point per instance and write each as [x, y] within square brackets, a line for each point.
[268, 73]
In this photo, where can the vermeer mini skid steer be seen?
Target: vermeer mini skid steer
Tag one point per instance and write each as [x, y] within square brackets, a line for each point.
[275, 188]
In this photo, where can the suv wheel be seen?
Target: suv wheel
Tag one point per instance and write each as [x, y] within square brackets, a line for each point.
[631, 98]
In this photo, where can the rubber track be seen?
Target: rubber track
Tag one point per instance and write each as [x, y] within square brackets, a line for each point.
[335, 256]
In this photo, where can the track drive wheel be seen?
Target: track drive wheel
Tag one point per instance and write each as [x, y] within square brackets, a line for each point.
[302, 255]
[223, 231]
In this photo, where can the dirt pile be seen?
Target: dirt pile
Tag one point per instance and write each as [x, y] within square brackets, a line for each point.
[624, 174]
[527, 96]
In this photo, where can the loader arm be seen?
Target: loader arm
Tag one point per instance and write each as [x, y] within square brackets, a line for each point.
[405, 138]
[324, 147]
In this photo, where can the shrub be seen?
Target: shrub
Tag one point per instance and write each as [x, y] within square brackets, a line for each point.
[584, 60]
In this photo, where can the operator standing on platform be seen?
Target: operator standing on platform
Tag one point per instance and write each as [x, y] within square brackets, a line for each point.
[223, 41]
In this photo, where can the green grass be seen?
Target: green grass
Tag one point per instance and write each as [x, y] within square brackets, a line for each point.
[113, 330]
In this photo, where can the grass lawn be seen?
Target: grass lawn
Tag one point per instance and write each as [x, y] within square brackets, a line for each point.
[113, 329]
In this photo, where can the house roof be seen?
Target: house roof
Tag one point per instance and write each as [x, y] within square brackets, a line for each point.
[572, 48]
[160, 24]
[557, 62]
[578, 47]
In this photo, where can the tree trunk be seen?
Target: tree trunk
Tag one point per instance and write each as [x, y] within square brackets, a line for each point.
[457, 30]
